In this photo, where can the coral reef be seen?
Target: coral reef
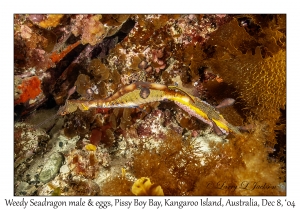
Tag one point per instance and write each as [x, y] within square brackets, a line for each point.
[118, 151]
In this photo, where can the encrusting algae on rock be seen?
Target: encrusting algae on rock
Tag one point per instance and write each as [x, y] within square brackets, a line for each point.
[131, 63]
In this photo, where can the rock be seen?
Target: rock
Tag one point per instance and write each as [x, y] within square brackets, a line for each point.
[22, 186]
[51, 168]
[64, 169]
[27, 142]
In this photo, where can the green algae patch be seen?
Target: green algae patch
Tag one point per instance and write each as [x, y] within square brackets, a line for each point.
[51, 168]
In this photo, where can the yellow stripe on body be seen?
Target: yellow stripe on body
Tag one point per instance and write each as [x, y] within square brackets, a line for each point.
[184, 100]
[221, 125]
[85, 108]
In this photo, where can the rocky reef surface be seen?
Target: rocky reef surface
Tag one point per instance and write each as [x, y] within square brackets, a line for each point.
[157, 147]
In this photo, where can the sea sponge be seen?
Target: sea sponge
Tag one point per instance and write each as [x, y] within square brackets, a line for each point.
[51, 21]
[89, 27]
[90, 147]
[143, 186]
[30, 88]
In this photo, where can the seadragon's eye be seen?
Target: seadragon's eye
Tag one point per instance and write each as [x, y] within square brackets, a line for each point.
[144, 93]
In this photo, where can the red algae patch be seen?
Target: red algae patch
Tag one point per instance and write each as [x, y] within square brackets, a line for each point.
[30, 88]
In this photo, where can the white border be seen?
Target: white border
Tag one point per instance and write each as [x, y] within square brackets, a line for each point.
[154, 6]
